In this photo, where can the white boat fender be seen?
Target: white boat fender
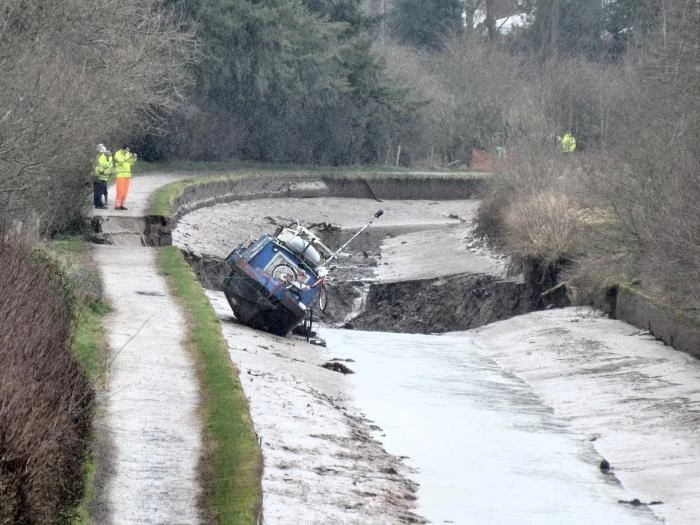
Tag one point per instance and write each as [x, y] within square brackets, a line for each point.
[322, 273]
[302, 287]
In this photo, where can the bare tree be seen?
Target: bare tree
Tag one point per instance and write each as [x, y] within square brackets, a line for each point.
[467, 93]
[74, 73]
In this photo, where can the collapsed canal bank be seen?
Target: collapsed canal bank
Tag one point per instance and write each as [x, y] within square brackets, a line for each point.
[444, 304]
[623, 302]
[362, 291]
[450, 302]
[554, 352]
[258, 346]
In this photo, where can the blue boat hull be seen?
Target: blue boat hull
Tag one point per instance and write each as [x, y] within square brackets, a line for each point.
[274, 281]
[260, 301]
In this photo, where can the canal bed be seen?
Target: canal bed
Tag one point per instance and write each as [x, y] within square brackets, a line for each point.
[484, 447]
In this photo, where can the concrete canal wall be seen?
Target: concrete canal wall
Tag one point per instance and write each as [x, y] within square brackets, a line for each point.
[664, 323]
[409, 187]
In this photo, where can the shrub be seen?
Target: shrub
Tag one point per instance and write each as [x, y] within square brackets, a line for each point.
[47, 402]
[543, 227]
[527, 171]
[647, 217]
[75, 73]
[532, 214]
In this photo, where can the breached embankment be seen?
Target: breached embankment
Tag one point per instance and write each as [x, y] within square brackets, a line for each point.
[628, 305]
[419, 271]
[426, 227]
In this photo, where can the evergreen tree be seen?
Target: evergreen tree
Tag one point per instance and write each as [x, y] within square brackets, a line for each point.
[562, 27]
[426, 23]
[631, 22]
[273, 74]
[337, 10]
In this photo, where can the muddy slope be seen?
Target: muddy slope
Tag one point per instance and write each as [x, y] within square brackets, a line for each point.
[458, 302]
[444, 304]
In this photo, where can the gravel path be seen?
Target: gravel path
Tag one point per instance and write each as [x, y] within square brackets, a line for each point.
[151, 397]
[150, 430]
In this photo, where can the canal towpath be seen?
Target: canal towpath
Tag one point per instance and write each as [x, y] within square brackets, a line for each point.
[149, 427]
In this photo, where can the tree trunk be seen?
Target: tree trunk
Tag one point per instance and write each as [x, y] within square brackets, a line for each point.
[554, 29]
[490, 20]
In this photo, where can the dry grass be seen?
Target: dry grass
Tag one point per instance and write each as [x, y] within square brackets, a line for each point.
[545, 226]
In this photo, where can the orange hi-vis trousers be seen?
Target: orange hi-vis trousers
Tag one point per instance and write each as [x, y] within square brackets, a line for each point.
[122, 190]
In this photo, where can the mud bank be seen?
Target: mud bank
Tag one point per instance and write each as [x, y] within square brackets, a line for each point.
[632, 396]
[199, 195]
[420, 271]
[321, 463]
[445, 304]
[457, 302]
[671, 327]
[566, 356]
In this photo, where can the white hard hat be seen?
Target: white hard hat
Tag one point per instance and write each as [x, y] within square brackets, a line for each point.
[321, 271]
[101, 148]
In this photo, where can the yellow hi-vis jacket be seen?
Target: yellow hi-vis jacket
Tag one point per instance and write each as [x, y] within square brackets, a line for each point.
[103, 166]
[123, 161]
[567, 143]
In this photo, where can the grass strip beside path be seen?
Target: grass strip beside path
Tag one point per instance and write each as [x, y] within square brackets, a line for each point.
[233, 481]
[89, 345]
[88, 342]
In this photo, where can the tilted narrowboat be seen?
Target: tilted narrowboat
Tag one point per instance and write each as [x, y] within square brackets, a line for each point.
[275, 281]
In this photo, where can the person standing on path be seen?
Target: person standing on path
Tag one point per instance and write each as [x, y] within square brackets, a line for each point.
[103, 170]
[124, 160]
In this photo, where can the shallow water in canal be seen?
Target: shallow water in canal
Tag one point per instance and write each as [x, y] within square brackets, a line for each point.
[484, 448]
